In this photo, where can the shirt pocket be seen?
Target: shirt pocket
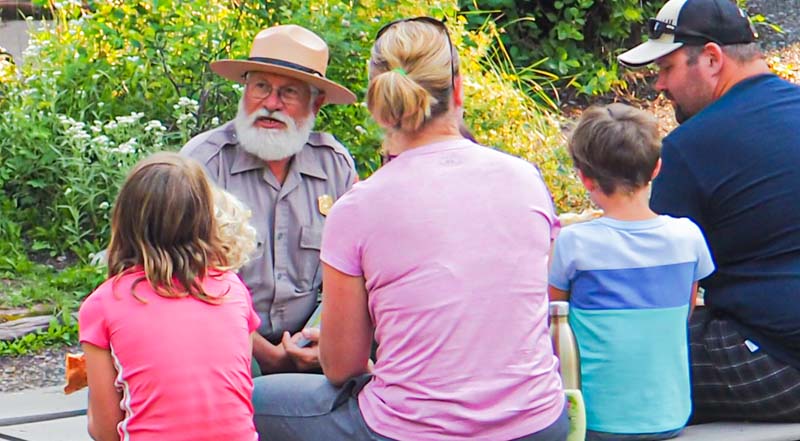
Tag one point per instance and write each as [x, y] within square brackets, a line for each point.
[309, 275]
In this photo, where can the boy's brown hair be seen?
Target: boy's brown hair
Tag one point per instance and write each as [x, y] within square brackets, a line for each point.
[616, 145]
[163, 221]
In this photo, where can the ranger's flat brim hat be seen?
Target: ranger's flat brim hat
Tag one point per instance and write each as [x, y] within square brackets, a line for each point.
[292, 51]
[693, 23]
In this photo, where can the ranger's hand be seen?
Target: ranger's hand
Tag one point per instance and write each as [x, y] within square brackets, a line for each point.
[306, 358]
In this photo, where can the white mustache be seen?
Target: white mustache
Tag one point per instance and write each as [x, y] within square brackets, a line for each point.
[276, 115]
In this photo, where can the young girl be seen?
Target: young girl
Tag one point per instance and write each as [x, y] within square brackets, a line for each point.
[167, 337]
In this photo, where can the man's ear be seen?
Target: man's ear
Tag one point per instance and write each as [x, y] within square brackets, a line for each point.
[656, 170]
[714, 57]
[318, 102]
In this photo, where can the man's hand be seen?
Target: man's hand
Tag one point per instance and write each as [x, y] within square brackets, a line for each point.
[271, 358]
[307, 358]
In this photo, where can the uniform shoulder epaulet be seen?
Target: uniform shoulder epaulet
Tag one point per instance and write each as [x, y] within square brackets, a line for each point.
[325, 139]
[206, 145]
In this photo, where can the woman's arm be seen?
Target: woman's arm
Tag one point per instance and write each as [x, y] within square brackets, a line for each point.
[346, 334]
[104, 412]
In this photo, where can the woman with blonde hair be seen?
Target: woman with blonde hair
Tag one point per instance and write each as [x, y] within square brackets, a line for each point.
[441, 258]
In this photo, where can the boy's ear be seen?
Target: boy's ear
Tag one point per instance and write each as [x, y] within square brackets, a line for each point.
[589, 183]
[656, 170]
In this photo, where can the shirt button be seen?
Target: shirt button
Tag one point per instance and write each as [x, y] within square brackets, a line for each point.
[280, 236]
[280, 276]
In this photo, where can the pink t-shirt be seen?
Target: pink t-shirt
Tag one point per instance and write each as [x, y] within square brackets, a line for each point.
[183, 364]
[453, 239]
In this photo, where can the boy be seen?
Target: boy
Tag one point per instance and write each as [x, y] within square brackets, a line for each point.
[631, 278]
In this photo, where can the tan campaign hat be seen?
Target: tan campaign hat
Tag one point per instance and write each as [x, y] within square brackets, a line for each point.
[292, 51]
[691, 23]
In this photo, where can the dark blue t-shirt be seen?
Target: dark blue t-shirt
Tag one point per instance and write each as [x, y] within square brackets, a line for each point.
[734, 169]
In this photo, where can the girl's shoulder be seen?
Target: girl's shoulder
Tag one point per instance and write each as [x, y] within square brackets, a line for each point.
[123, 281]
[226, 276]
[224, 283]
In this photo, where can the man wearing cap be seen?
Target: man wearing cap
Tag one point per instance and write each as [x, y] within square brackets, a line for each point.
[733, 166]
[287, 175]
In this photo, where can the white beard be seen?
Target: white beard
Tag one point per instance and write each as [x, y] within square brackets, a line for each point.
[271, 144]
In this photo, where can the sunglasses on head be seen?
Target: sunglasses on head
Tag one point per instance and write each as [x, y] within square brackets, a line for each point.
[439, 24]
[656, 28]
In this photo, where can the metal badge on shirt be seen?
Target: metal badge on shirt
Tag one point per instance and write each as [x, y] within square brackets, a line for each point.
[325, 202]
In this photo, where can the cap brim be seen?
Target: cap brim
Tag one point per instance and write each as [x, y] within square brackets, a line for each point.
[234, 70]
[648, 52]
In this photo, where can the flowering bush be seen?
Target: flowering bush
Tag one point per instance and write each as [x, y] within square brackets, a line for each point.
[110, 82]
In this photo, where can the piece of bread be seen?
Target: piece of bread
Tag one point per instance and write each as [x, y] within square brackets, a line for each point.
[583, 216]
[75, 373]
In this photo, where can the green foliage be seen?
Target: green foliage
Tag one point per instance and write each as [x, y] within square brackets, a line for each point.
[109, 82]
[574, 39]
[61, 290]
[503, 113]
[60, 332]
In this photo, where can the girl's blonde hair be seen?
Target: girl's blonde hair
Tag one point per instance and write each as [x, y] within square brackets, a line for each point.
[163, 220]
[237, 236]
[411, 74]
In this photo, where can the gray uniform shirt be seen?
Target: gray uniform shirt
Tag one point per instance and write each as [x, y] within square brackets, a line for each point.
[284, 275]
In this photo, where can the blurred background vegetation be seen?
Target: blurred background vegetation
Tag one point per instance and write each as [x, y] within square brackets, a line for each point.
[104, 83]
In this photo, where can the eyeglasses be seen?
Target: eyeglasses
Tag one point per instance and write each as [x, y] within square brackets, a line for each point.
[439, 24]
[258, 89]
[656, 28]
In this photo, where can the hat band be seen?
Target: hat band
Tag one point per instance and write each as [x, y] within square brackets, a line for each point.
[288, 64]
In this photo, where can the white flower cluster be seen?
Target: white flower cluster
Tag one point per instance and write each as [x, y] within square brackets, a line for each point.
[184, 118]
[186, 104]
[185, 110]
[154, 125]
[126, 147]
[76, 130]
[131, 119]
[34, 48]
[101, 141]
[65, 3]
[102, 135]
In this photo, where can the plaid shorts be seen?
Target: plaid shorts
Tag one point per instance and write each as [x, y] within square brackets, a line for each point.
[729, 382]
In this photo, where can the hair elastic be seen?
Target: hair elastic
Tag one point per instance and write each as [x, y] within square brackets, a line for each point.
[400, 70]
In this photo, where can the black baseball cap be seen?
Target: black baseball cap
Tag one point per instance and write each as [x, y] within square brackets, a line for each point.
[692, 23]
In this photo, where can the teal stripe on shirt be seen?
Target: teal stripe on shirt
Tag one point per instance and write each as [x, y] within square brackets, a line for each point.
[634, 368]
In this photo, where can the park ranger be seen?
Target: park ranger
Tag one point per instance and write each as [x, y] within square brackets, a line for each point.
[287, 175]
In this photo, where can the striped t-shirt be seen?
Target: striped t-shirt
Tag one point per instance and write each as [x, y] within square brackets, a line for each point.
[630, 287]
